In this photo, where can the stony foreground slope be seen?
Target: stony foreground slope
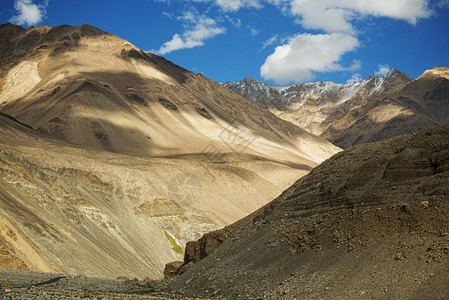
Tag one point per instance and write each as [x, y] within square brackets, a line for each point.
[372, 222]
[112, 158]
[369, 110]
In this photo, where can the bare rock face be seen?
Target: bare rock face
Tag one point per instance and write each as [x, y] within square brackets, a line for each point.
[197, 250]
[172, 269]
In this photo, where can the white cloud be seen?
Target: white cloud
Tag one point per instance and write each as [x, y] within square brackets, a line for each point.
[443, 4]
[252, 30]
[316, 15]
[305, 54]
[383, 69]
[226, 5]
[234, 5]
[356, 65]
[235, 22]
[332, 16]
[29, 13]
[199, 28]
[270, 41]
[356, 77]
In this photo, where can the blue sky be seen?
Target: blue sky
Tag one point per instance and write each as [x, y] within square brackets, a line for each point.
[277, 41]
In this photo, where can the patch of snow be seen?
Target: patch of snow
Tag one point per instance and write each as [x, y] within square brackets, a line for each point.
[319, 92]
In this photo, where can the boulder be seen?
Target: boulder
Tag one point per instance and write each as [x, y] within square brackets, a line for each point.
[172, 269]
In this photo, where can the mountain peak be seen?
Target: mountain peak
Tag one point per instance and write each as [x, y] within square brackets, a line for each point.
[318, 107]
[392, 72]
[9, 29]
[250, 80]
[396, 74]
[49, 33]
[436, 72]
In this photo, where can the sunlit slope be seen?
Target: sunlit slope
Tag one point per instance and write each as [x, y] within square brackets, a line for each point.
[112, 156]
[66, 209]
[94, 89]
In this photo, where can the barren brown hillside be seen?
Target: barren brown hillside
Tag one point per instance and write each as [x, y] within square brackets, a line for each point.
[372, 222]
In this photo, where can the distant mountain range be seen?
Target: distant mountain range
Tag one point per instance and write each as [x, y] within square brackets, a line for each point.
[369, 110]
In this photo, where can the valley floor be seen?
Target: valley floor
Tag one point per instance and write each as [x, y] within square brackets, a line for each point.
[33, 285]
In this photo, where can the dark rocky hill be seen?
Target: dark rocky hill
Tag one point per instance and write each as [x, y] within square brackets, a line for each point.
[372, 222]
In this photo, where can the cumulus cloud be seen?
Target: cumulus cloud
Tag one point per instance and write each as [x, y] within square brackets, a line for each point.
[198, 29]
[332, 16]
[305, 54]
[29, 13]
[383, 69]
[315, 15]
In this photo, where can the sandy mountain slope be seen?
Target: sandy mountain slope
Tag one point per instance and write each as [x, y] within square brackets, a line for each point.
[112, 158]
[93, 89]
[70, 210]
[373, 109]
[372, 222]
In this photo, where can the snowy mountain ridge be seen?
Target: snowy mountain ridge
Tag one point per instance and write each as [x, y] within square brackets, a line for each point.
[316, 92]
[368, 110]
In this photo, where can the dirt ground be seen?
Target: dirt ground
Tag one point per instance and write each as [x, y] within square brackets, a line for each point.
[39, 285]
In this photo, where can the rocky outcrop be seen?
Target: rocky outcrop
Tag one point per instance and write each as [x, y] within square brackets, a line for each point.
[172, 269]
[197, 250]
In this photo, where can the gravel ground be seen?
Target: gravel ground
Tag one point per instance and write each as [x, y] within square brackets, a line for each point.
[36, 285]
